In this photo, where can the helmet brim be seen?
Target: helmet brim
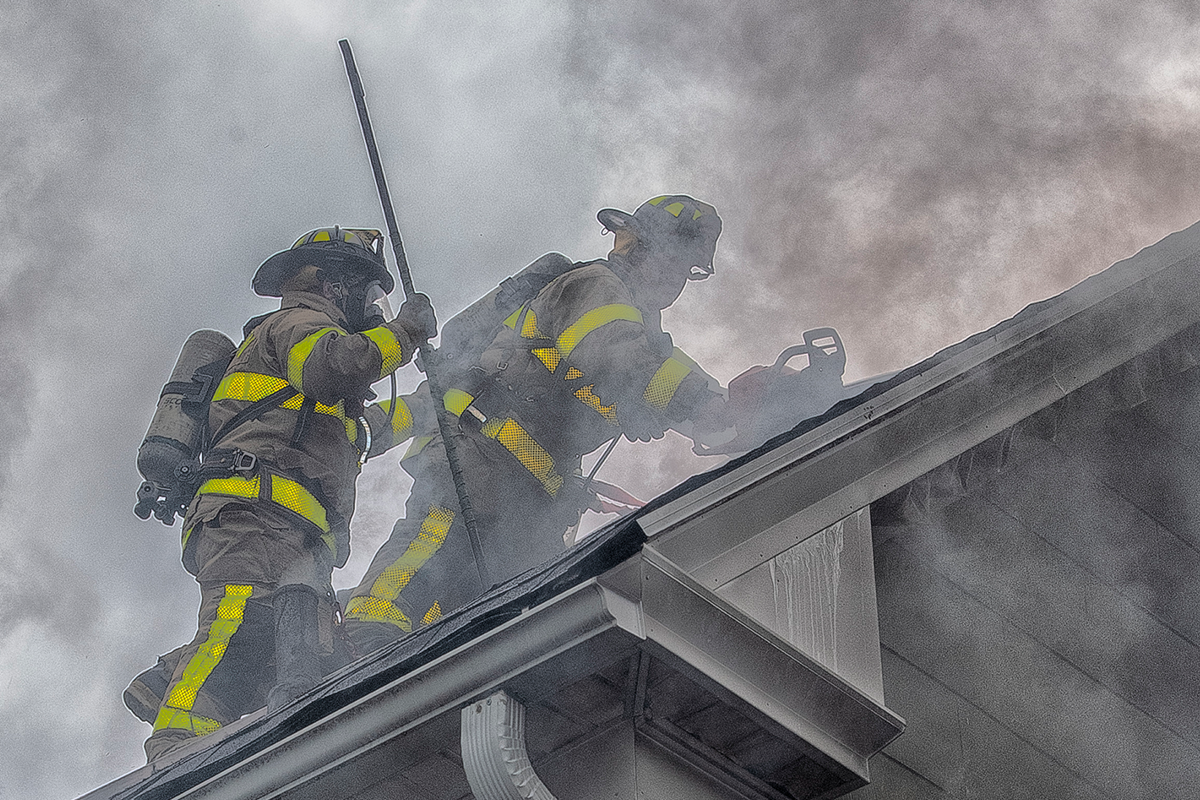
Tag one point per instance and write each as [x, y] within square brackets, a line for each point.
[274, 272]
[616, 220]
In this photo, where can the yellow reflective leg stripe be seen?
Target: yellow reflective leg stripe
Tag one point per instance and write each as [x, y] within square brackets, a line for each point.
[596, 318]
[300, 353]
[186, 720]
[372, 609]
[433, 614]
[662, 386]
[177, 707]
[428, 541]
[389, 349]
[531, 454]
[379, 605]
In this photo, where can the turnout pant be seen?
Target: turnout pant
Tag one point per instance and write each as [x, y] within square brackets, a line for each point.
[427, 569]
[243, 556]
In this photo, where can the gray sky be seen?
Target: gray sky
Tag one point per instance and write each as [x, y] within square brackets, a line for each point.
[910, 172]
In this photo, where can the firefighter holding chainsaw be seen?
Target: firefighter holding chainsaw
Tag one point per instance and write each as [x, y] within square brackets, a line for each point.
[579, 362]
[270, 517]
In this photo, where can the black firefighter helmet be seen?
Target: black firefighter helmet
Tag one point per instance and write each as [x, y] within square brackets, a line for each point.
[676, 222]
[359, 250]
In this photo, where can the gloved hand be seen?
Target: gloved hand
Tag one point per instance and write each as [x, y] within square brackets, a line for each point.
[417, 319]
[640, 424]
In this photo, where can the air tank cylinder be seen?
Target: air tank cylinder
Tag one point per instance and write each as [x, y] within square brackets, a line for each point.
[169, 454]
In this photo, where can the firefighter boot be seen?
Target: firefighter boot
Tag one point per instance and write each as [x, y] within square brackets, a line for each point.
[297, 660]
[146, 691]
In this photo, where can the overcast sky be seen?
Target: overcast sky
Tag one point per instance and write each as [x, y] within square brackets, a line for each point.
[909, 172]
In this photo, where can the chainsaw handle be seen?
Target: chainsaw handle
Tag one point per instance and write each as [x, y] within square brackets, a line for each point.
[815, 351]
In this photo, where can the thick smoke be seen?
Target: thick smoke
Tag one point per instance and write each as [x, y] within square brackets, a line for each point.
[909, 172]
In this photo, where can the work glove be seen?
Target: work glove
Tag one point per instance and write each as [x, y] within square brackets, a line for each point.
[417, 319]
[640, 424]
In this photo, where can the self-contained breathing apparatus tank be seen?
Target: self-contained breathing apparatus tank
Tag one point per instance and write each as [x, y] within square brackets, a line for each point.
[169, 457]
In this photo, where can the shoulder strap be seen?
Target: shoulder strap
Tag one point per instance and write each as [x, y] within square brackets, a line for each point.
[254, 411]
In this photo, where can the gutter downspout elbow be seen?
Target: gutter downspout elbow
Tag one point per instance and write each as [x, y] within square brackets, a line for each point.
[493, 750]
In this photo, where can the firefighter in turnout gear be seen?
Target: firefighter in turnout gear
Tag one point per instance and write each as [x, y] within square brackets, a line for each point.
[270, 520]
[582, 361]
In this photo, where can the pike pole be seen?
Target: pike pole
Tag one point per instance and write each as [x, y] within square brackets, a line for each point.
[429, 356]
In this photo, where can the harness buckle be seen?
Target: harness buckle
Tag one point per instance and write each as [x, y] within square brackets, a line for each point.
[243, 463]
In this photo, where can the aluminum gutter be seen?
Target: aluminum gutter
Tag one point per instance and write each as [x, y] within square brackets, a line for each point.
[928, 416]
[466, 673]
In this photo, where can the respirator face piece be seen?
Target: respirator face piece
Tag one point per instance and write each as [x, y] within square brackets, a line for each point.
[376, 306]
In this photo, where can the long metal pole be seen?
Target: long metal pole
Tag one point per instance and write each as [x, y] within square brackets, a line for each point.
[447, 425]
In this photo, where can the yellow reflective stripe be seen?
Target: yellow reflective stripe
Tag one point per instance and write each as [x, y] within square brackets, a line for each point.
[389, 349]
[429, 540]
[594, 319]
[658, 199]
[549, 356]
[234, 486]
[284, 491]
[322, 236]
[186, 720]
[230, 612]
[573, 374]
[589, 399]
[253, 386]
[456, 401]
[529, 327]
[531, 454]
[418, 444]
[402, 420]
[291, 495]
[372, 609]
[664, 383]
[186, 535]
[242, 347]
[674, 209]
[433, 614]
[300, 353]
[247, 386]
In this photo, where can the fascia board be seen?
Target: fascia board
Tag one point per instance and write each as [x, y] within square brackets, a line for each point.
[731, 524]
[738, 657]
[449, 682]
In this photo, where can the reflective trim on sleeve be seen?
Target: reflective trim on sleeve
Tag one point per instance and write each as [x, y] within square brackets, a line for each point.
[596, 318]
[664, 383]
[402, 420]
[379, 605]
[433, 614]
[589, 399]
[177, 706]
[389, 349]
[456, 401]
[300, 353]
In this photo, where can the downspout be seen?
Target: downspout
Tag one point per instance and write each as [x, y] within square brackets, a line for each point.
[493, 751]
